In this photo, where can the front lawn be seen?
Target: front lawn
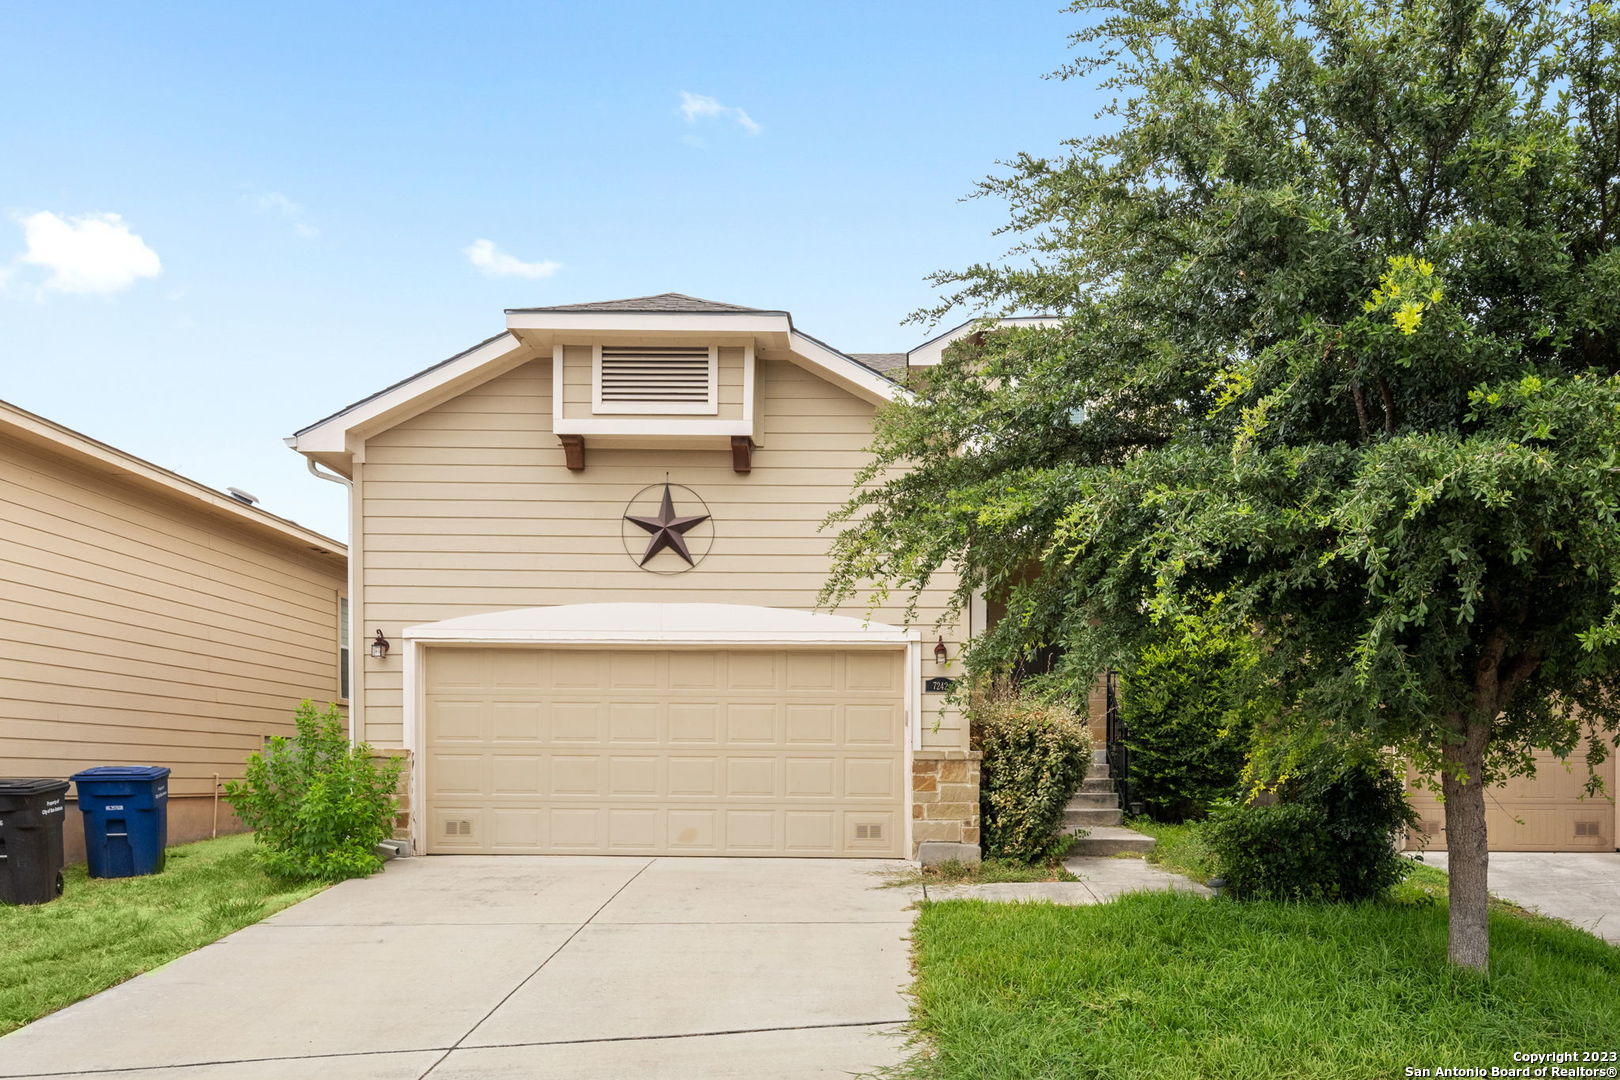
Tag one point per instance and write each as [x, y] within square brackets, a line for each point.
[1167, 985]
[103, 932]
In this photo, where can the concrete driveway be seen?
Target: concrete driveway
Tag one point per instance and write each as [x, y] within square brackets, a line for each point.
[463, 967]
[1580, 887]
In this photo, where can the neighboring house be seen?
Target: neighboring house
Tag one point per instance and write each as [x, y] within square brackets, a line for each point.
[148, 620]
[1549, 812]
[593, 544]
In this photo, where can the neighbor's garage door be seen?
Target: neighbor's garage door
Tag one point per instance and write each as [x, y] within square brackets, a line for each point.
[1546, 813]
[631, 751]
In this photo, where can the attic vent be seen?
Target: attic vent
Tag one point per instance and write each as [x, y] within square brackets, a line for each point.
[869, 832]
[655, 379]
[1586, 828]
[457, 827]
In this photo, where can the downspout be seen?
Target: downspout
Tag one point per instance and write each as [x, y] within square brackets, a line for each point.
[348, 567]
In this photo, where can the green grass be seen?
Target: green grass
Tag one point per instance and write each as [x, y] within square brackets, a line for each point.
[103, 932]
[988, 872]
[1171, 986]
[1180, 848]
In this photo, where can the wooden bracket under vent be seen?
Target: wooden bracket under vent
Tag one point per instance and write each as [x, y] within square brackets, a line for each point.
[573, 452]
[742, 454]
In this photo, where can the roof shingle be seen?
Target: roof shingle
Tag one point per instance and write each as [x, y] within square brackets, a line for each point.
[880, 361]
[670, 301]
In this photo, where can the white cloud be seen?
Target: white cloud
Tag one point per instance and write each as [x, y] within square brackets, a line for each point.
[274, 202]
[496, 263]
[95, 253]
[695, 107]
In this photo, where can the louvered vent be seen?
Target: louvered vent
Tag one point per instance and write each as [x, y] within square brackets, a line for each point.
[869, 832]
[457, 827]
[668, 378]
[1586, 828]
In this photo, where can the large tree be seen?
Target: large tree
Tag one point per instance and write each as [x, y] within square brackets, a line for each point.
[1338, 369]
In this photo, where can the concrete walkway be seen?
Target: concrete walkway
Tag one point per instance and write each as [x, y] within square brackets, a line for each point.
[1101, 879]
[1580, 887]
[466, 967]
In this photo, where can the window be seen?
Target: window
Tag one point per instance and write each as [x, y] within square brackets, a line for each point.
[655, 379]
[343, 648]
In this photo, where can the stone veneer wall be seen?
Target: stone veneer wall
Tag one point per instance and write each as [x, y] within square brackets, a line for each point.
[945, 800]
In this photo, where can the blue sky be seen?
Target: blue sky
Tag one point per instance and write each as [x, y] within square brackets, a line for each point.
[219, 222]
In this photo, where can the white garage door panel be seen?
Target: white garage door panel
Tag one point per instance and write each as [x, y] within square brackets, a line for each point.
[782, 752]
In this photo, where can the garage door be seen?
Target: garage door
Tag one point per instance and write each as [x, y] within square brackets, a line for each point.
[1543, 813]
[632, 751]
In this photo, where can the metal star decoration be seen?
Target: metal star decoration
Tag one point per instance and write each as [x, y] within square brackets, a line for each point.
[668, 530]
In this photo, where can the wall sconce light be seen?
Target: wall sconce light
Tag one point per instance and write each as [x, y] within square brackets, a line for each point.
[379, 647]
[942, 655]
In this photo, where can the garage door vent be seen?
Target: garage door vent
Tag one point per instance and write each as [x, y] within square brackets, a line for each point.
[1586, 828]
[457, 827]
[869, 832]
[1428, 827]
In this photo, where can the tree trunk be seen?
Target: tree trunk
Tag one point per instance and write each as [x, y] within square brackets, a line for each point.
[1467, 855]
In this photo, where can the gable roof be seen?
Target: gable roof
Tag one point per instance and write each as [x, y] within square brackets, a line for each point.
[932, 351]
[669, 301]
[36, 431]
[642, 315]
[883, 362]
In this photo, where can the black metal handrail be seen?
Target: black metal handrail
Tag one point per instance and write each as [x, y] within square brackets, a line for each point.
[1117, 751]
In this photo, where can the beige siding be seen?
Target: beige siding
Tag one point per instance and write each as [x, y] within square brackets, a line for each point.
[137, 629]
[577, 380]
[468, 508]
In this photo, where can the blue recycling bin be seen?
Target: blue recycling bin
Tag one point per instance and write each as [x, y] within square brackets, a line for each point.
[126, 819]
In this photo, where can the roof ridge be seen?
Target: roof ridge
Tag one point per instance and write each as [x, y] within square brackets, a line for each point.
[665, 301]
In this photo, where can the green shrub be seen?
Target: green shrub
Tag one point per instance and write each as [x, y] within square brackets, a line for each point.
[318, 806]
[1331, 835]
[1190, 706]
[1036, 753]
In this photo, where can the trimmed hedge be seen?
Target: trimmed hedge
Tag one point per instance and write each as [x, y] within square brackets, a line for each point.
[1190, 708]
[1332, 835]
[1036, 754]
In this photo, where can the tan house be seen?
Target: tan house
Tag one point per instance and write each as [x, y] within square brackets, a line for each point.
[592, 544]
[148, 620]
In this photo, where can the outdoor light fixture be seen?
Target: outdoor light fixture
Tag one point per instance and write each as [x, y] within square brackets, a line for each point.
[1217, 885]
[942, 655]
[379, 647]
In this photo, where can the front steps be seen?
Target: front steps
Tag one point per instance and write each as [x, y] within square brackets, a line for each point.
[1095, 808]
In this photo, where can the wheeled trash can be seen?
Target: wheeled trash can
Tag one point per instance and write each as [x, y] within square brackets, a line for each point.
[126, 818]
[31, 815]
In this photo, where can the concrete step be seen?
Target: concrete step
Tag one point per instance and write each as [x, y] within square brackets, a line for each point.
[1112, 840]
[1097, 772]
[1100, 800]
[1094, 785]
[1099, 757]
[1090, 819]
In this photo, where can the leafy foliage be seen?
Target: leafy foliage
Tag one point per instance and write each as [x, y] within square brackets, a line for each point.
[1036, 754]
[1341, 335]
[317, 805]
[1332, 835]
[1191, 704]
